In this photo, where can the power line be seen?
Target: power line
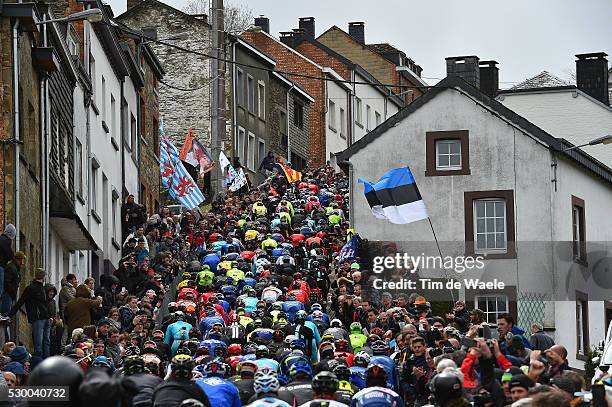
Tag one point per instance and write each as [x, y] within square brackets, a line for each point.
[299, 75]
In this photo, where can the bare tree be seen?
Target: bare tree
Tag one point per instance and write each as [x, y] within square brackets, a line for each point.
[238, 16]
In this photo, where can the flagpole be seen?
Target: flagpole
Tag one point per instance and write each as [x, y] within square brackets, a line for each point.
[441, 256]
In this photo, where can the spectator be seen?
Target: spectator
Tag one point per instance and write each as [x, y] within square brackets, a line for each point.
[78, 310]
[67, 292]
[132, 215]
[539, 340]
[12, 278]
[6, 255]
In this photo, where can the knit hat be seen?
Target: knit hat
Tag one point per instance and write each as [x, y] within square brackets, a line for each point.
[14, 367]
[564, 383]
[10, 231]
[19, 255]
[521, 380]
[20, 354]
[103, 322]
[40, 274]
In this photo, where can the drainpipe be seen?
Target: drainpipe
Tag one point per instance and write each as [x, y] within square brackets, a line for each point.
[351, 186]
[87, 101]
[121, 145]
[44, 114]
[234, 106]
[287, 129]
[16, 129]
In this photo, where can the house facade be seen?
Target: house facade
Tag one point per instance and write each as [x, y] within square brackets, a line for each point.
[499, 187]
[575, 112]
[184, 101]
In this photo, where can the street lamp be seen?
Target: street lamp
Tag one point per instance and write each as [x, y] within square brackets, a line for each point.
[93, 15]
[600, 140]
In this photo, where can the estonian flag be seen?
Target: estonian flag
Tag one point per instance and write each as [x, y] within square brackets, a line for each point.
[395, 197]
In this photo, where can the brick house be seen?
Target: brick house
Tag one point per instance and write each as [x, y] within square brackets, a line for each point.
[385, 62]
[315, 79]
[260, 110]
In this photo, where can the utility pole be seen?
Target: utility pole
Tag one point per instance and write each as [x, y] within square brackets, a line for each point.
[218, 92]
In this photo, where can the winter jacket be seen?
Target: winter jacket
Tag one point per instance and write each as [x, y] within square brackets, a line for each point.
[67, 293]
[106, 292]
[137, 390]
[6, 250]
[12, 278]
[78, 311]
[35, 301]
[51, 304]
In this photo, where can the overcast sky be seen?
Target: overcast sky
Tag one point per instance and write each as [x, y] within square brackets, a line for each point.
[524, 36]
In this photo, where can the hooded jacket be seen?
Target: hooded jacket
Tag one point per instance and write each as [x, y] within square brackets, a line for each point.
[78, 310]
[51, 304]
[106, 291]
[67, 293]
[35, 301]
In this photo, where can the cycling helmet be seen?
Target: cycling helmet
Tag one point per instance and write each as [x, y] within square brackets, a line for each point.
[262, 352]
[291, 297]
[362, 359]
[186, 276]
[336, 323]
[132, 351]
[356, 328]
[316, 307]
[172, 307]
[221, 350]
[342, 345]
[265, 383]
[104, 362]
[277, 306]
[300, 317]
[133, 365]
[300, 366]
[182, 365]
[179, 316]
[214, 367]
[234, 318]
[234, 349]
[248, 366]
[376, 375]
[342, 372]
[297, 343]
[317, 315]
[325, 383]
[379, 348]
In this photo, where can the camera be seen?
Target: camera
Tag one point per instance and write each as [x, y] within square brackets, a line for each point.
[435, 352]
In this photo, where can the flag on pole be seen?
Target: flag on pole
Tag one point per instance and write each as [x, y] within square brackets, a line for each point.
[395, 197]
[223, 161]
[175, 177]
[194, 153]
[291, 174]
[350, 250]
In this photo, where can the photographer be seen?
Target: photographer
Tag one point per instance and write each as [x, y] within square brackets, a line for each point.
[459, 317]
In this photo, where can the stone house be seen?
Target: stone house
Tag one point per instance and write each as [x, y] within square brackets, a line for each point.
[184, 100]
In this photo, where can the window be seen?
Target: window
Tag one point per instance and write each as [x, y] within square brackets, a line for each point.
[261, 100]
[113, 113]
[114, 216]
[241, 141]
[342, 124]
[94, 187]
[92, 73]
[489, 223]
[155, 131]
[239, 86]
[447, 153]
[298, 115]
[251, 152]
[78, 168]
[492, 306]
[578, 231]
[582, 324]
[261, 151]
[73, 43]
[297, 163]
[358, 111]
[251, 93]
[134, 136]
[332, 115]
[283, 129]
[103, 101]
[368, 117]
[378, 118]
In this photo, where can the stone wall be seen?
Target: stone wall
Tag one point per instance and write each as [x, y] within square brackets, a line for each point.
[180, 109]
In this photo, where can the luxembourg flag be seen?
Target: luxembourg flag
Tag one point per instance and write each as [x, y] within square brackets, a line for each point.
[395, 197]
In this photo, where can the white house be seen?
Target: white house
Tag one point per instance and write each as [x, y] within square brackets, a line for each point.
[496, 185]
[573, 112]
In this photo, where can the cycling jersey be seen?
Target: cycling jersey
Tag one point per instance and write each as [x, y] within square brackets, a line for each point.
[377, 397]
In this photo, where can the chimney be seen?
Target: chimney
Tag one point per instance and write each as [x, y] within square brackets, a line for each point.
[489, 78]
[263, 22]
[307, 24]
[286, 37]
[357, 31]
[465, 67]
[592, 75]
[133, 3]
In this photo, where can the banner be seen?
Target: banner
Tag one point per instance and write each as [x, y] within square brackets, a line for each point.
[194, 153]
[223, 161]
[237, 179]
[175, 177]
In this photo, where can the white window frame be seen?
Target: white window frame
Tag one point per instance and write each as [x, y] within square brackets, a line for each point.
[134, 136]
[251, 152]
[495, 313]
[114, 217]
[368, 117]
[240, 86]
[241, 142]
[250, 94]
[261, 152]
[78, 168]
[113, 120]
[342, 123]
[449, 167]
[358, 111]
[377, 118]
[479, 250]
[261, 99]
[331, 109]
[103, 101]
[93, 186]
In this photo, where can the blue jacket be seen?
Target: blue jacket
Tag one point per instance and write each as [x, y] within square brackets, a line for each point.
[220, 392]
